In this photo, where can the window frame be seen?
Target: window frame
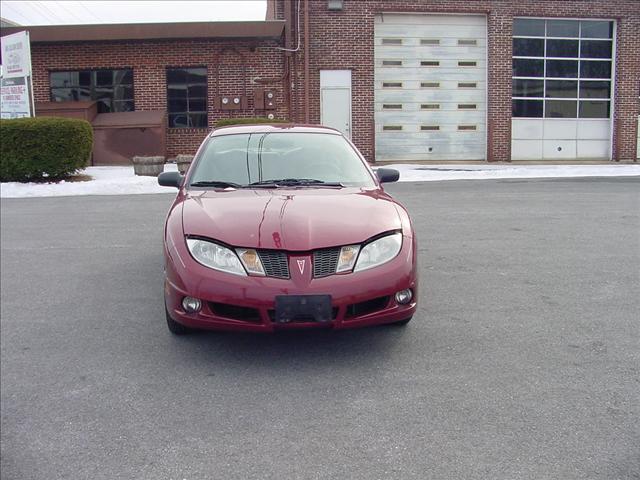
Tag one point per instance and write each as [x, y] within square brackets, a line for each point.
[188, 112]
[93, 86]
[579, 98]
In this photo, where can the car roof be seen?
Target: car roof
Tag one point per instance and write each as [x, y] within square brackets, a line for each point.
[273, 128]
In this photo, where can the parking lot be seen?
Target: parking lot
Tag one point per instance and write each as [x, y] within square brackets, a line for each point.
[522, 362]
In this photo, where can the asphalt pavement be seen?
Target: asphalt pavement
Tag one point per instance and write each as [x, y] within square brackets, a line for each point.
[523, 361]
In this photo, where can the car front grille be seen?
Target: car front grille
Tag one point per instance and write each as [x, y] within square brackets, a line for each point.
[275, 263]
[325, 262]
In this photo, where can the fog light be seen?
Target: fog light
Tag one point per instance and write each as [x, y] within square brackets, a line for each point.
[404, 296]
[191, 305]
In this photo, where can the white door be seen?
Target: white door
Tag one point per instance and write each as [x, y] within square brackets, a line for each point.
[335, 100]
[430, 87]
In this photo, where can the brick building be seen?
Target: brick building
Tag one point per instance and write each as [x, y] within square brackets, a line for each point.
[434, 80]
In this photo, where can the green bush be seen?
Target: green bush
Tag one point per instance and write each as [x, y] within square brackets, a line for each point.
[244, 121]
[43, 147]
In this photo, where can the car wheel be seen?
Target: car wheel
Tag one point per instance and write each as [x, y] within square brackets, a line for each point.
[402, 323]
[175, 327]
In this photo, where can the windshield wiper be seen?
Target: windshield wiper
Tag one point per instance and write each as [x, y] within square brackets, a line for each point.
[216, 184]
[294, 182]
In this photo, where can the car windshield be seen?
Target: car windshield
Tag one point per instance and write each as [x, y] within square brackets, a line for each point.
[279, 159]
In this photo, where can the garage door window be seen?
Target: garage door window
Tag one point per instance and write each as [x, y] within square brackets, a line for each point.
[562, 68]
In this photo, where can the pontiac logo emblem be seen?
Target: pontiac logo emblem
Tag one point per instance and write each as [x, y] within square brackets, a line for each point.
[301, 266]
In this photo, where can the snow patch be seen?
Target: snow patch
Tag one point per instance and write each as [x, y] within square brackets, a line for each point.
[105, 181]
[122, 181]
[431, 173]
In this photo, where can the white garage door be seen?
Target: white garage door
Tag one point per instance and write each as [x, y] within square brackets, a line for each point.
[562, 89]
[430, 87]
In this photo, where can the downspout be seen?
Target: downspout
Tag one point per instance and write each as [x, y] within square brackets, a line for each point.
[306, 61]
[285, 77]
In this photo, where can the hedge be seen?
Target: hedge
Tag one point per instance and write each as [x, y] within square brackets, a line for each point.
[43, 147]
[244, 121]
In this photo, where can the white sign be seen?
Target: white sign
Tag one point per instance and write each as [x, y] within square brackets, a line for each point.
[16, 55]
[14, 98]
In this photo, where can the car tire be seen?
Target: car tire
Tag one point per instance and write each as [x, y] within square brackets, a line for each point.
[175, 327]
[402, 323]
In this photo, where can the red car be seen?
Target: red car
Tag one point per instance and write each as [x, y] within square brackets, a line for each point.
[285, 226]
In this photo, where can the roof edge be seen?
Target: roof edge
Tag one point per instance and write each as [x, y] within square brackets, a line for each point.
[150, 31]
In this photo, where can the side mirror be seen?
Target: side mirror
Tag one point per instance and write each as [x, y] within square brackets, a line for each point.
[170, 179]
[387, 175]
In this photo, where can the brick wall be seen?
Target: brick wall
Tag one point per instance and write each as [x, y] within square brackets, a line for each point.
[344, 40]
[231, 70]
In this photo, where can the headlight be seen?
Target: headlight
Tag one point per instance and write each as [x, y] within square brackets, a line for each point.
[379, 251]
[215, 256]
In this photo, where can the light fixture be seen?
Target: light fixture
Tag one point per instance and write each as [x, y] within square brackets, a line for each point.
[191, 305]
[404, 296]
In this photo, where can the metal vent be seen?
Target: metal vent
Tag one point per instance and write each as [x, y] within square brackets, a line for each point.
[325, 262]
[275, 263]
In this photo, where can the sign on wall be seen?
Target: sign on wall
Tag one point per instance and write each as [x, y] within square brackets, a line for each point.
[15, 86]
[14, 97]
[16, 55]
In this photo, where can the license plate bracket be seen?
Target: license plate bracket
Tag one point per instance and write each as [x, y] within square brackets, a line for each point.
[301, 308]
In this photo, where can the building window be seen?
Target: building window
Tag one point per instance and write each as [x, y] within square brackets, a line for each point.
[562, 68]
[112, 89]
[187, 97]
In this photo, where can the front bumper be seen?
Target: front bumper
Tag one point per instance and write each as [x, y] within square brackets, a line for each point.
[231, 302]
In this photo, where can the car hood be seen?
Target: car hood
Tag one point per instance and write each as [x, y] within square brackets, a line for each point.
[289, 219]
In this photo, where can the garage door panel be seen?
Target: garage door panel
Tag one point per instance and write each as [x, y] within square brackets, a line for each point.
[445, 151]
[412, 34]
[418, 97]
[420, 74]
[392, 143]
[466, 101]
[592, 149]
[526, 149]
[406, 19]
[437, 110]
[442, 85]
[594, 129]
[413, 54]
[437, 147]
[418, 118]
